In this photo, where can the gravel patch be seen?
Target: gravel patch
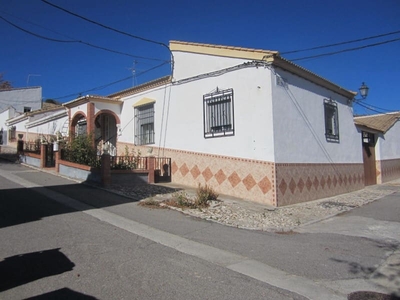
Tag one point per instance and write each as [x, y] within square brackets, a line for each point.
[247, 215]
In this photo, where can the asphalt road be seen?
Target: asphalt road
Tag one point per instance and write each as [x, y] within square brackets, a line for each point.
[65, 240]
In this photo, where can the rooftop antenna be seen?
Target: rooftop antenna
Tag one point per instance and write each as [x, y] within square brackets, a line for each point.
[27, 81]
[133, 70]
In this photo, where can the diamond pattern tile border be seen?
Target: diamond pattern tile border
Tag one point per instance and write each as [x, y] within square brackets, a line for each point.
[304, 182]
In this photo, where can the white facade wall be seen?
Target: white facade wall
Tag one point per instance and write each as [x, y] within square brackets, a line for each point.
[116, 108]
[48, 128]
[127, 133]
[191, 64]
[21, 126]
[19, 98]
[252, 115]
[4, 116]
[388, 145]
[299, 124]
[80, 108]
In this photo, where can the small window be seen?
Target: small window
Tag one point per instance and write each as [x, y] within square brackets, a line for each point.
[331, 120]
[12, 133]
[27, 109]
[144, 125]
[218, 113]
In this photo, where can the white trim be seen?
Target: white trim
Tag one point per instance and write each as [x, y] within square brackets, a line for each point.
[45, 120]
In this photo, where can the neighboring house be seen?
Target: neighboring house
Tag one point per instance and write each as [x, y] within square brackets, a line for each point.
[43, 124]
[381, 152]
[6, 114]
[247, 122]
[13, 102]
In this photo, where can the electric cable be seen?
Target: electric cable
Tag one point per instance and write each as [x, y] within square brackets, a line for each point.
[77, 41]
[109, 84]
[346, 50]
[104, 26]
[35, 34]
[372, 109]
[114, 29]
[375, 107]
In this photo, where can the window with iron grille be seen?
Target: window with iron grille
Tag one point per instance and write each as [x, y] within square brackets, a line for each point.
[144, 125]
[331, 120]
[218, 113]
[81, 127]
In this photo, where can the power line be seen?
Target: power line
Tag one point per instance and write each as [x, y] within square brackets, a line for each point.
[35, 34]
[77, 41]
[346, 50]
[374, 108]
[342, 43]
[105, 26]
[109, 84]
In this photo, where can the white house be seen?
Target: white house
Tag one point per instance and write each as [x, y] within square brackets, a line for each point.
[381, 151]
[42, 123]
[245, 121]
[14, 102]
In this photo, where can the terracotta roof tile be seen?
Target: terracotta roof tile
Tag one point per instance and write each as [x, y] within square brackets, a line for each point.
[381, 122]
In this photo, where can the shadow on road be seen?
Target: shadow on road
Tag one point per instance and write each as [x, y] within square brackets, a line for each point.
[23, 268]
[23, 205]
[62, 294]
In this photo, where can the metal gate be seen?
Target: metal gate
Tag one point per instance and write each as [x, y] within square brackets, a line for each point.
[49, 156]
[163, 169]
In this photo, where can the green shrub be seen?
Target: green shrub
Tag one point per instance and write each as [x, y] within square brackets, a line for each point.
[82, 151]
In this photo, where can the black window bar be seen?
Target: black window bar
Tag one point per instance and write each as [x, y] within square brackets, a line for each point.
[144, 125]
[331, 120]
[218, 113]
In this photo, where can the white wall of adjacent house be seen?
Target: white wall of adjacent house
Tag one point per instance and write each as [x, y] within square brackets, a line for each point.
[50, 127]
[160, 96]
[387, 146]
[115, 107]
[192, 64]
[252, 137]
[79, 108]
[20, 126]
[4, 116]
[299, 123]
[29, 98]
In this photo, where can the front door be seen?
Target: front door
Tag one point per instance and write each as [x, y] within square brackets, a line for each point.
[368, 143]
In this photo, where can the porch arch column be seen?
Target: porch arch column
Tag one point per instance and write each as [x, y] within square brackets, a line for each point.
[90, 118]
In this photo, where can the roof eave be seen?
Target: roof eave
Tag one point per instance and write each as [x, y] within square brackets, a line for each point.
[220, 50]
[369, 128]
[142, 87]
[90, 98]
[302, 72]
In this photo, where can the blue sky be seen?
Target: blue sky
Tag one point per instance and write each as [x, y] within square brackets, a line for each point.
[67, 69]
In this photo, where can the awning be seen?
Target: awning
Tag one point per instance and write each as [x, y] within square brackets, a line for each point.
[144, 101]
